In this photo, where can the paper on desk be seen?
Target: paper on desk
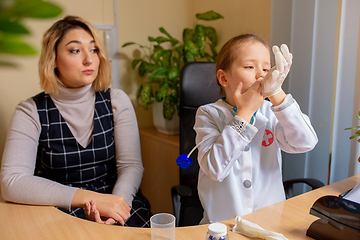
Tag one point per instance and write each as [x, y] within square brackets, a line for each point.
[250, 229]
[354, 194]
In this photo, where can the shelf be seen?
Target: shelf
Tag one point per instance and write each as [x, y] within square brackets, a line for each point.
[159, 152]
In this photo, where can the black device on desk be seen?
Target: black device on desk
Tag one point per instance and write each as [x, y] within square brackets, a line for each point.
[339, 219]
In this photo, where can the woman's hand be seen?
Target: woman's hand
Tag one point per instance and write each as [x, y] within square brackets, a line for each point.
[93, 214]
[248, 102]
[113, 206]
[108, 205]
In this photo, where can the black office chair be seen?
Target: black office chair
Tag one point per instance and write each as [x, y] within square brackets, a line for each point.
[198, 86]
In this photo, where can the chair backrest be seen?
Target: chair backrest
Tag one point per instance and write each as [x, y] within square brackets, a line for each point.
[198, 86]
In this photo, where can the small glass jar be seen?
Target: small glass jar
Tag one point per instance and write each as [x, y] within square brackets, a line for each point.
[217, 231]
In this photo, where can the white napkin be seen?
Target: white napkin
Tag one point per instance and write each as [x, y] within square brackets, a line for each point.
[250, 229]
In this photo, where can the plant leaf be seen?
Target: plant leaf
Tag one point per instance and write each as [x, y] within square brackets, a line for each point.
[36, 9]
[159, 73]
[188, 34]
[169, 108]
[200, 39]
[162, 30]
[214, 52]
[158, 52]
[146, 95]
[350, 128]
[161, 40]
[208, 16]
[180, 50]
[14, 46]
[7, 64]
[128, 44]
[180, 59]
[135, 62]
[12, 27]
[354, 136]
[162, 92]
[158, 48]
[138, 93]
[167, 59]
[211, 34]
[143, 68]
[189, 57]
[190, 47]
[150, 68]
[172, 40]
[173, 73]
[209, 58]
[152, 39]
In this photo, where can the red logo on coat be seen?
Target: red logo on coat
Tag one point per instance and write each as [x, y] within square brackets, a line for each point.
[268, 138]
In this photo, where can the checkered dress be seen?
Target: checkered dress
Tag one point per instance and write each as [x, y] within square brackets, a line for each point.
[62, 159]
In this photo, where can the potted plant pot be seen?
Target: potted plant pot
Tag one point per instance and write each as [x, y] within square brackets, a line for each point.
[169, 127]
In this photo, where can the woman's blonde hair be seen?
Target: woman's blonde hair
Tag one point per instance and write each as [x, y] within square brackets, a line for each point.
[52, 37]
[227, 53]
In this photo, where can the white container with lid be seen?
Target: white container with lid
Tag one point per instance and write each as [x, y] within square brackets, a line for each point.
[217, 231]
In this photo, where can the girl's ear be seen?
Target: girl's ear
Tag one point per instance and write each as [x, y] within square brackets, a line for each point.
[221, 76]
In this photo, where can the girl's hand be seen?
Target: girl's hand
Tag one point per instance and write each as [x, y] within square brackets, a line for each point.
[248, 102]
[274, 79]
[93, 214]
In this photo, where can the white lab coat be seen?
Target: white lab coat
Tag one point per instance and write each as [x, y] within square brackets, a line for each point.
[241, 172]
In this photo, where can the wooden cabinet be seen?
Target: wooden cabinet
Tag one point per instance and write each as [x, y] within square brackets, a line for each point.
[159, 153]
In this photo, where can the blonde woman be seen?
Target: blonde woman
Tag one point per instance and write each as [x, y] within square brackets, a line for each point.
[76, 143]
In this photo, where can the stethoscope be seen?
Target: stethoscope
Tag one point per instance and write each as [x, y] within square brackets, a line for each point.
[185, 161]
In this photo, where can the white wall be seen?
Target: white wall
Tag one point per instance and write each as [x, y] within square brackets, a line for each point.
[342, 163]
[323, 37]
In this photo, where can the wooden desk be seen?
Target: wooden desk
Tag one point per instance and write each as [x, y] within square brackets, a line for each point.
[290, 218]
[159, 152]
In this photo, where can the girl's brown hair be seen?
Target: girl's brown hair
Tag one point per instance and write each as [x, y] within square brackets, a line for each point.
[227, 53]
[52, 37]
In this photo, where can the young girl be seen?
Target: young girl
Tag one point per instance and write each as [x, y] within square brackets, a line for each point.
[243, 135]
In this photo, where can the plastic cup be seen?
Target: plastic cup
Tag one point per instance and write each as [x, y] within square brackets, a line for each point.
[162, 226]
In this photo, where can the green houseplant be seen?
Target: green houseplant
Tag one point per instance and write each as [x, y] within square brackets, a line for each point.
[12, 29]
[166, 56]
[357, 133]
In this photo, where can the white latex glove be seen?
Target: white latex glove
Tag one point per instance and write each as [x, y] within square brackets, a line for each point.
[272, 84]
[250, 229]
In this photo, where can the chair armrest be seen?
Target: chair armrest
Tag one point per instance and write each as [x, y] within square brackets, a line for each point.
[181, 190]
[177, 193]
[313, 183]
